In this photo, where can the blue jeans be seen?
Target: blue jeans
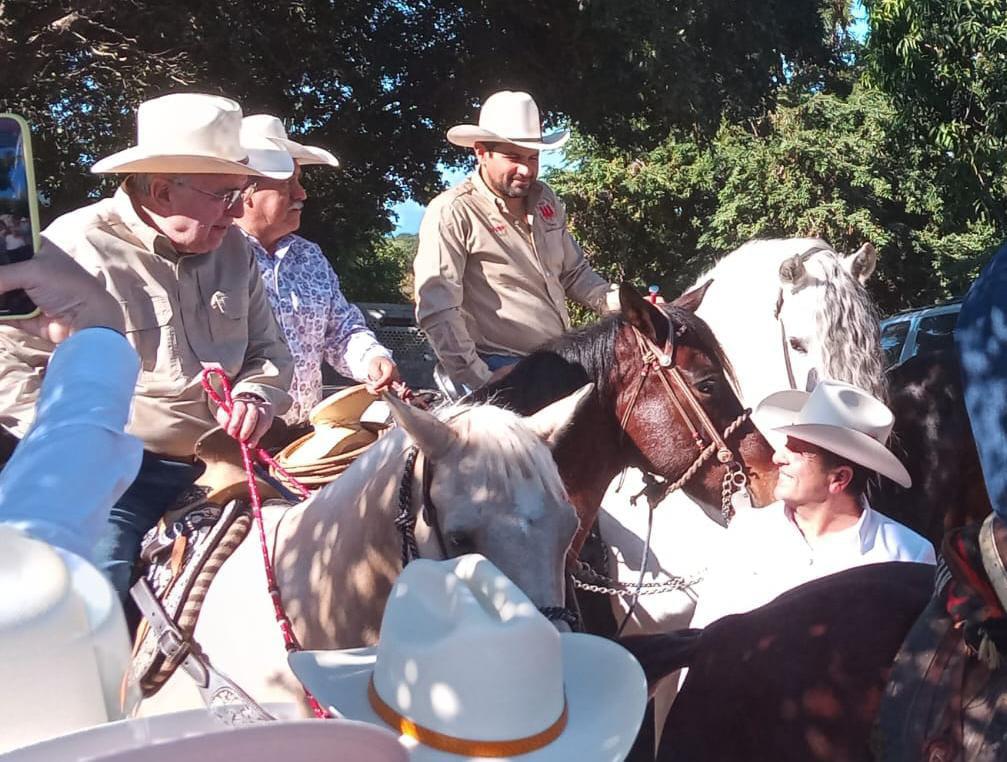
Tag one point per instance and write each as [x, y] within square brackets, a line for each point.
[496, 362]
[981, 338]
[153, 491]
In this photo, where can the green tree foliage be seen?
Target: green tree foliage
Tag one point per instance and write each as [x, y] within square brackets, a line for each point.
[379, 81]
[828, 166]
[944, 63]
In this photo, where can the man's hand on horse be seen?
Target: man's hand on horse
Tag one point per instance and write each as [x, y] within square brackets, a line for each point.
[381, 374]
[250, 418]
[68, 297]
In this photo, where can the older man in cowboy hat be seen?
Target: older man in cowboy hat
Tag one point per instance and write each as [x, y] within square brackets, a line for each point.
[830, 441]
[164, 246]
[318, 322]
[496, 262]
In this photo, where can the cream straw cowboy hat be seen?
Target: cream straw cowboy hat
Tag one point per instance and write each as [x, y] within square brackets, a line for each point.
[262, 133]
[508, 117]
[467, 668]
[190, 133]
[840, 418]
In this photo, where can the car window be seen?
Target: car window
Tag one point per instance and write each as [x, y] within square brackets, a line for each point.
[936, 332]
[893, 336]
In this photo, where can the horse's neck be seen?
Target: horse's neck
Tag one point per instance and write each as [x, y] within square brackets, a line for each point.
[337, 554]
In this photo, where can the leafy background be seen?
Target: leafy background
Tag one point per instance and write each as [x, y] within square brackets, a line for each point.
[699, 123]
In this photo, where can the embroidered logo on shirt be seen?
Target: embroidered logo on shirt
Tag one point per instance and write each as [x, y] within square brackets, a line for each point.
[546, 210]
[219, 301]
[499, 229]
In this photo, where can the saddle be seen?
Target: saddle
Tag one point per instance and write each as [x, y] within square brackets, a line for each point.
[946, 700]
[181, 555]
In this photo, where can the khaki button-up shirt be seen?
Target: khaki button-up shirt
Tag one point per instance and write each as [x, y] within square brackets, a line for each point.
[489, 282]
[183, 312]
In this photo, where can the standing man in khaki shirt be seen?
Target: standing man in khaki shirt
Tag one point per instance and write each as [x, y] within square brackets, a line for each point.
[496, 262]
[164, 246]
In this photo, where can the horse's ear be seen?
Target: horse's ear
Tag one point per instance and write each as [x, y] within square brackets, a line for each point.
[642, 315]
[792, 270]
[862, 263]
[550, 422]
[691, 300]
[430, 434]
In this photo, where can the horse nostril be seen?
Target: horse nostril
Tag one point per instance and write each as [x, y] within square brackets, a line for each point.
[812, 380]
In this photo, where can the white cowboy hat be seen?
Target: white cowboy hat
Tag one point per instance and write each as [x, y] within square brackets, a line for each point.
[467, 663]
[840, 418]
[508, 117]
[262, 133]
[189, 133]
[198, 735]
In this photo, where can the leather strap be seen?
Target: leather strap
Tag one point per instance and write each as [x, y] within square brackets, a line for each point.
[222, 696]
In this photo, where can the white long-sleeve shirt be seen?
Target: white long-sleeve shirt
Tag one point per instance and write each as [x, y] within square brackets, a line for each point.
[76, 459]
[317, 320]
[764, 554]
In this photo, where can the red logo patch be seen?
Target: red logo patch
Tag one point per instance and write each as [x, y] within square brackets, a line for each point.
[546, 210]
[499, 229]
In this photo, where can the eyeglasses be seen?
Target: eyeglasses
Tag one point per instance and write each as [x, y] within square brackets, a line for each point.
[282, 186]
[228, 198]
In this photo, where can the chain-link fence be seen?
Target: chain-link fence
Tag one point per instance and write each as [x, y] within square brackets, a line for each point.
[395, 327]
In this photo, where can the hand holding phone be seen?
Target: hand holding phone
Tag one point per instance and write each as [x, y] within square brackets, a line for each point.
[69, 298]
[19, 220]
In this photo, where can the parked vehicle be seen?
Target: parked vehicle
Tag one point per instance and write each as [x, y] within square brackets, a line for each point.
[909, 333]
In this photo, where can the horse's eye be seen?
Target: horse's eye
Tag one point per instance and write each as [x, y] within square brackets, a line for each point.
[798, 346]
[461, 543]
[707, 386]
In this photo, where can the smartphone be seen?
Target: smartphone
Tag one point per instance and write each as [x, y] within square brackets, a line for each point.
[19, 223]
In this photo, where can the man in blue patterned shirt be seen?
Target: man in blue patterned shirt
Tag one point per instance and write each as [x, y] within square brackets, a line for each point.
[317, 321]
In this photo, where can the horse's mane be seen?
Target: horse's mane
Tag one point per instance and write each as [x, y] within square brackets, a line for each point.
[846, 320]
[848, 327]
[563, 365]
[505, 444]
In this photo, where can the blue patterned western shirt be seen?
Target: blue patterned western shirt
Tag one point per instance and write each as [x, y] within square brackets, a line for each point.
[317, 321]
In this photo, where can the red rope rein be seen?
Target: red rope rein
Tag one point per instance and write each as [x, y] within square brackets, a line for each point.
[249, 455]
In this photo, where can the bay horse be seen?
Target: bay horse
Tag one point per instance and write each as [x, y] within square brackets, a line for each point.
[933, 437]
[636, 416]
[473, 478]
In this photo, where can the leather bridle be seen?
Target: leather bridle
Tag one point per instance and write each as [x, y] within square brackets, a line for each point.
[405, 522]
[661, 362]
[784, 341]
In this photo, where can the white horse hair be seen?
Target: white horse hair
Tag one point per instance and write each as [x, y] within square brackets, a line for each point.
[496, 489]
[829, 321]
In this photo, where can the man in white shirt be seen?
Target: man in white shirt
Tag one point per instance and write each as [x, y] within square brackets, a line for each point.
[830, 442]
[318, 322]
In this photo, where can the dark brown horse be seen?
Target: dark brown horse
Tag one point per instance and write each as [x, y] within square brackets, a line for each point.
[638, 417]
[799, 679]
[934, 439]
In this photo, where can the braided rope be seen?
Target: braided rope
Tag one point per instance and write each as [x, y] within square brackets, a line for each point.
[225, 401]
